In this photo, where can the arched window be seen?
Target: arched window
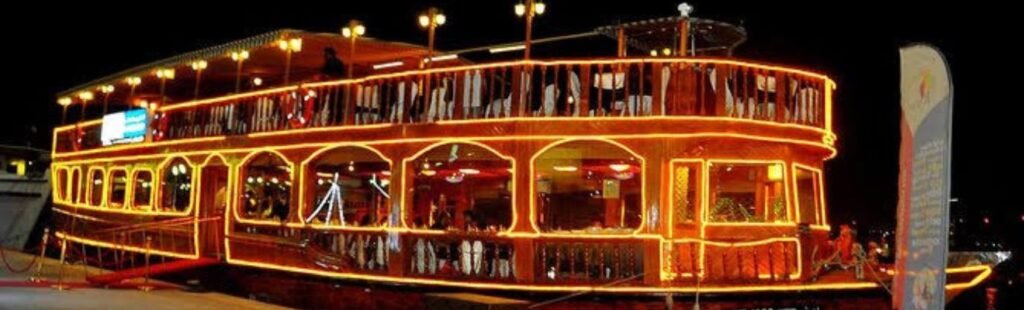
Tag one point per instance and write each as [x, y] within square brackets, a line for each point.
[75, 186]
[95, 192]
[460, 186]
[746, 192]
[176, 187]
[348, 186]
[267, 188]
[61, 185]
[591, 185]
[142, 189]
[118, 187]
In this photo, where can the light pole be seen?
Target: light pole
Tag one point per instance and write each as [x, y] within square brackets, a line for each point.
[106, 90]
[164, 75]
[239, 57]
[85, 96]
[354, 30]
[64, 102]
[133, 82]
[198, 66]
[529, 9]
[289, 46]
[430, 20]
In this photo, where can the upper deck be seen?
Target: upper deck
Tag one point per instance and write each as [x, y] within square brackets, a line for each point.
[617, 91]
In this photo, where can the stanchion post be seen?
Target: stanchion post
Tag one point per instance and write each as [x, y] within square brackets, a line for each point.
[37, 277]
[145, 287]
[60, 267]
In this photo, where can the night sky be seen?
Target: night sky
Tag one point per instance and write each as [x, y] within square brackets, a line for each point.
[52, 47]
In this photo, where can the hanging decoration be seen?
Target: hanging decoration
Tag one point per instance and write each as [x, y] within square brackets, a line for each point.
[393, 241]
[331, 200]
[653, 216]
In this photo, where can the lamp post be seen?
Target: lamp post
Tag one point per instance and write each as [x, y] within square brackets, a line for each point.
[133, 82]
[64, 102]
[85, 97]
[684, 28]
[529, 9]
[354, 30]
[239, 57]
[106, 90]
[289, 46]
[430, 20]
[198, 66]
[164, 75]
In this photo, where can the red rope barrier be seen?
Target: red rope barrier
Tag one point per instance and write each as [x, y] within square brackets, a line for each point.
[3, 256]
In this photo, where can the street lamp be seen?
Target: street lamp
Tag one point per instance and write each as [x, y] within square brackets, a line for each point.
[106, 90]
[64, 102]
[85, 96]
[430, 20]
[239, 57]
[529, 9]
[164, 75]
[133, 82]
[198, 66]
[289, 46]
[355, 29]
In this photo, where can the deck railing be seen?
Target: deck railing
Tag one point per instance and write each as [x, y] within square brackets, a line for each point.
[615, 88]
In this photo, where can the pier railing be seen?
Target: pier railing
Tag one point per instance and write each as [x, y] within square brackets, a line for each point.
[613, 88]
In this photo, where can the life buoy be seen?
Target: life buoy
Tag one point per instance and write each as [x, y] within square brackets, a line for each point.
[298, 107]
[159, 126]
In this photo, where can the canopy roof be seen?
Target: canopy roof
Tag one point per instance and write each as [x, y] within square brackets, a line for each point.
[267, 61]
[709, 36]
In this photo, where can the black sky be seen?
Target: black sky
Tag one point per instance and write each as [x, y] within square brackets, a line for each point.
[54, 46]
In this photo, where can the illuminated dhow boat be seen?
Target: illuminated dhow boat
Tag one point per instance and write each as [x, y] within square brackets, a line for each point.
[675, 170]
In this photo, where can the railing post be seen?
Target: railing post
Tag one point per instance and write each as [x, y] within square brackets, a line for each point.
[519, 89]
[585, 88]
[721, 89]
[60, 267]
[85, 260]
[781, 93]
[459, 89]
[524, 260]
[145, 287]
[349, 105]
[37, 276]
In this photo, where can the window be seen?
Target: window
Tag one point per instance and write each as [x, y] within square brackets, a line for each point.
[588, 185]
[808, 195]
[118, 187]
[266, 193]
[176, 187]
[461, 186]
[747, 193]
[96, 188]
[685, 189]
[75, 186]
[61, 185]
[142, 189]
[349, 184]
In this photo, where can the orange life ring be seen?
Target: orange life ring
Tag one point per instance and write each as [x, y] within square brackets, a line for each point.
[298, 107]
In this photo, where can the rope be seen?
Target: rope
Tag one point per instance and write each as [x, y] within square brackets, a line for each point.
[3, 256]
[873, 274]
[90, 261]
